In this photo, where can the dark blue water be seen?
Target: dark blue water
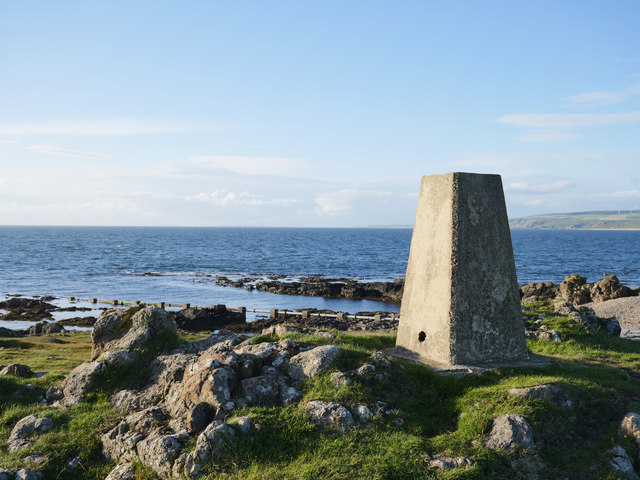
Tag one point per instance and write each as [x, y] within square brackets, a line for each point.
[99, 261]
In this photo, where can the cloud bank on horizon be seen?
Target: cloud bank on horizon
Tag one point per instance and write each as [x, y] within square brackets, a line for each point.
[298, 114]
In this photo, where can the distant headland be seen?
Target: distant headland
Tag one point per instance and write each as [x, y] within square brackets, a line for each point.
[593, 220]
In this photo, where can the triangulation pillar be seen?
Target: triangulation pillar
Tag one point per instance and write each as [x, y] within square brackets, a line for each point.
[461, 303]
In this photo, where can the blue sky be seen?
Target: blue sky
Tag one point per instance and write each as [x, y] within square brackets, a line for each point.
[311, 113]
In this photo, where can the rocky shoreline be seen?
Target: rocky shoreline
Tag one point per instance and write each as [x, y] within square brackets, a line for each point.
[574, 289]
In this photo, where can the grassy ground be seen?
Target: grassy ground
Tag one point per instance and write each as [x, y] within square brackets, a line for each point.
[433, 414]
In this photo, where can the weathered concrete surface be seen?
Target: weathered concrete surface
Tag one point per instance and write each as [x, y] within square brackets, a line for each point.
[461, 303]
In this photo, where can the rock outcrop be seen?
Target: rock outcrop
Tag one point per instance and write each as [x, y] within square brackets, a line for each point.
[132, 329]
[193, 390]
[24, 428]
[16, 370]
[510, 432]
[207, 319]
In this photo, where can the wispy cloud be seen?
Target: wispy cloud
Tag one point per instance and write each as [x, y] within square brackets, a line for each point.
[224, 198]
[334, 203]
[115, 127]
[567, 120]
[8, 141]
[341, 201]
[549, 136]
[622, 194]
[522, 187]
[595, 99]
[4, 181]
[63, 152]
[252, 165]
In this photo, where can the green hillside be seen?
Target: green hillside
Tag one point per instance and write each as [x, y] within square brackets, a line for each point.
[600, 220]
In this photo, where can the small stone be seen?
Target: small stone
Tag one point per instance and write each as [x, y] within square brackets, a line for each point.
[440, 462]
[17, 370]
[329, 414]
[380, 360]
[245, 424]
[73, 463]
[26, 427]
[630, 426]
[312, 362]
[362, 413]
[339, 379]
[621, 461]
[290, 395]
[24, 474]
[510, 432]
[365, 370]
[547, 392]
[123, 471]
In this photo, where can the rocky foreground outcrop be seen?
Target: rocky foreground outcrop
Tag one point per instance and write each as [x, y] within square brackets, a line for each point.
[191, 391]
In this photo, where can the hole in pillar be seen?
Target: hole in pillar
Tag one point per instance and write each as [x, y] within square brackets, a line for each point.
[422, 336]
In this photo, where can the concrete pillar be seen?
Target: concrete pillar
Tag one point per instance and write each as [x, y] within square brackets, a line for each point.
[340, 317]
[94, 300]
[72, 299]
[461, 304]
[114, 302]
[161, 305]
[377, 317]
[137, 303]
[187, 305]
[242, 310]
[274, 312]
[305, 314]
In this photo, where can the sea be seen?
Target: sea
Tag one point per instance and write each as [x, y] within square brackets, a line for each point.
[179, 265]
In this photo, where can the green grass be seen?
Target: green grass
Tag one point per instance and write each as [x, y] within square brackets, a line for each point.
[431, 414]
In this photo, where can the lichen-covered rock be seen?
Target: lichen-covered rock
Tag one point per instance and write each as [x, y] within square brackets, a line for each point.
[329, 414]
[548, 290]
[123, 471]
[312, 362]
[53, 394]
[380, 360]
[510, 432]
[574, 288]
[17, 370]
[132, 329]
[159, 451]
[244, 423]
[80, 381]
[201, 384]
[630, 426]
[26, 427]
[24, 474]
[263, 390]
[199, 417]
[363, 413]
[621, 461]
[546, 334]
[564, 307]
[210, 444]
[119, 357]
[290, 395]
[364, 371]
[339, 379]
[608, 288]
[440, 462]
[120, 442]
[547, 392]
